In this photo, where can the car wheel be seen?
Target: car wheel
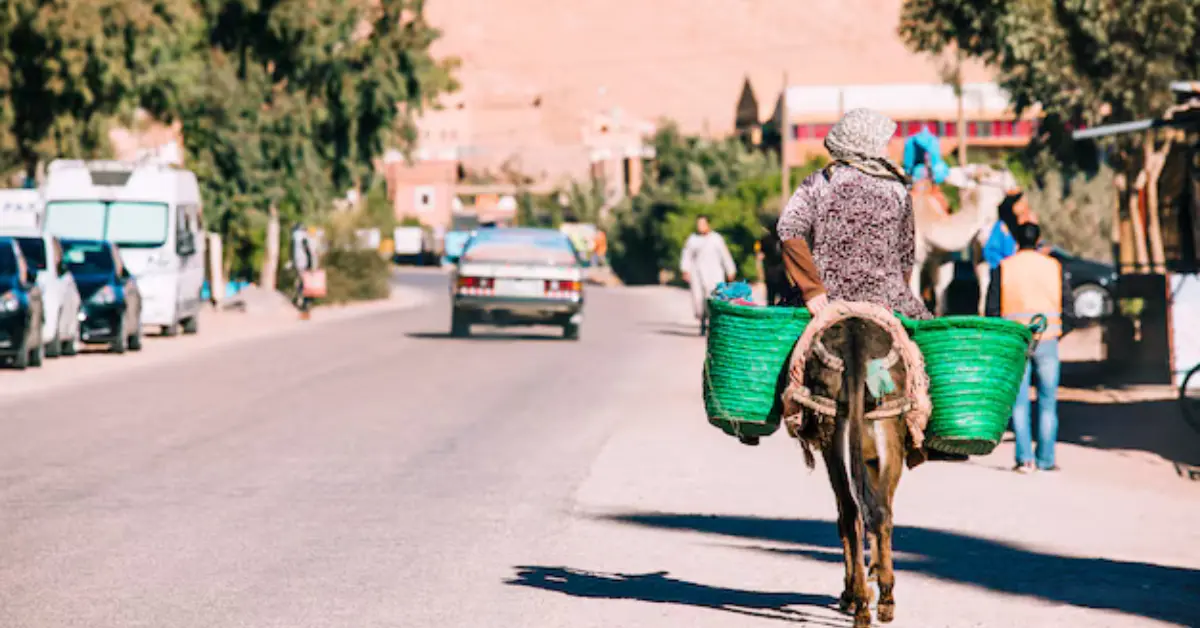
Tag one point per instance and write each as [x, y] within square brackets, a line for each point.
[1091, 302]
[170, 330]
[20, 361]
[460, 325]
[571, 331]
[191, 325]
[135, 341]
[120, 342]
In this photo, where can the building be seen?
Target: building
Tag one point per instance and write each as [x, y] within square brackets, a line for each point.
[991, 122]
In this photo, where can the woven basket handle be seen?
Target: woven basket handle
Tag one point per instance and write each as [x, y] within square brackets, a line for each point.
[1038, 327]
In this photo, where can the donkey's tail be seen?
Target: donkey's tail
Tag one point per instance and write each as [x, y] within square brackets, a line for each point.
[852, 443]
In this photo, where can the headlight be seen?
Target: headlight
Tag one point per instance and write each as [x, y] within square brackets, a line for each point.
[105, 296]
[9, 302]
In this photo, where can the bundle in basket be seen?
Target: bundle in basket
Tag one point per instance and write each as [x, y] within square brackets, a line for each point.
[975, 367]
[745, 368]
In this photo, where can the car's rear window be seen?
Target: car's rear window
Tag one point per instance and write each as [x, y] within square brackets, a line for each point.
[8, 258]
[523, 247]
[34, 250]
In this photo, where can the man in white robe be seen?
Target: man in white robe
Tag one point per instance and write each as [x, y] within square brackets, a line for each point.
[705, 263]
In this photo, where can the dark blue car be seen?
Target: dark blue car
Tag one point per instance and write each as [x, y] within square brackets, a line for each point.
[112, 305]
[20, 308]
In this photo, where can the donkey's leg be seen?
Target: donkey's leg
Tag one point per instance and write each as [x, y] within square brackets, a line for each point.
[862, 593]
[847, 517]
[889, 479]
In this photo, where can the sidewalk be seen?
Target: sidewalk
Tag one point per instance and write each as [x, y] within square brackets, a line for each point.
[217, 328]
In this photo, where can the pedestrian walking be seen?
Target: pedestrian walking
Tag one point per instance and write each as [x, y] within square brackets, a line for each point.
[304, 259]
[1027, 284]
[848, 231]
[705, 263]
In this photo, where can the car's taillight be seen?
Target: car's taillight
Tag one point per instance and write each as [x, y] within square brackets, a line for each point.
[563, 289]
[475, 286]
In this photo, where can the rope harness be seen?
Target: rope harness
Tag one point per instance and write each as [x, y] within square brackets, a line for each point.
[913, 405]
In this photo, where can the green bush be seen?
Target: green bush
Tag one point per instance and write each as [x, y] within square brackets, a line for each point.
[355, 275]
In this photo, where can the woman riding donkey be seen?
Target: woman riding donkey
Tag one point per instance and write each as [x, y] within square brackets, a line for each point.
[858, 391]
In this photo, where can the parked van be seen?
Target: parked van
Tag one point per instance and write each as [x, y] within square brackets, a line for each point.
[152, 212]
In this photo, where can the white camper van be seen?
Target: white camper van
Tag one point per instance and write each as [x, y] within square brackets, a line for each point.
[152, 212]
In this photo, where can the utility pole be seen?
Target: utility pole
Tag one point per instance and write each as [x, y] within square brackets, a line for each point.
[962, 109]
[785, 140]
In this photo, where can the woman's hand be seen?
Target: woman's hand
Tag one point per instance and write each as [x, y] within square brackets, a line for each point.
[817, 303]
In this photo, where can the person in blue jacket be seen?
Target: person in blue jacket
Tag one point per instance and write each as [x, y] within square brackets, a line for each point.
[1001, 244]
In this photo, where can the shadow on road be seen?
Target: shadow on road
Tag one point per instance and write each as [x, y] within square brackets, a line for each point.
[660, 589]
[426, 335]
[1151, 591]
[1155, 427]
[679, 333]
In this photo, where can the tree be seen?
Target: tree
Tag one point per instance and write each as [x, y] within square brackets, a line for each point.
[1081, 62]
[68, 69]
[300, 98]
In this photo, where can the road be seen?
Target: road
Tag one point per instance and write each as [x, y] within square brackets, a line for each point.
[374, 472]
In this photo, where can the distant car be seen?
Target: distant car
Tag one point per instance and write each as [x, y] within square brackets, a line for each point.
[518, 276]
[112, 302]
[21, 312]
[60, 298]
[1093, 287]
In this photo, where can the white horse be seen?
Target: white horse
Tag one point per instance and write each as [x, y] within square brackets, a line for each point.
[940, 234]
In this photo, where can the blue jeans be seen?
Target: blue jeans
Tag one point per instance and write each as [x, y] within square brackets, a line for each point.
[1045, 361]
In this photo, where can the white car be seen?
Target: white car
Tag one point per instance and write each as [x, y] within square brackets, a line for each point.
[60, 296]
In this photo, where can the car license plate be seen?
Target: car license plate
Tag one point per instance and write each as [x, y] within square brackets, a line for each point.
[519, 288]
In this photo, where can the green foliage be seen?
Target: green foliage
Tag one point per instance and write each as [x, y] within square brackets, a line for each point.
[283, 104]
[378, 211]
[1082, 61]
[1077, 217]
[296, 99]
[355, 275]
[737, 188]
[68, 69]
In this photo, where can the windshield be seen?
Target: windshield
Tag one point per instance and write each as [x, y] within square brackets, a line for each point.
[34, 250]
[8, 258]
[549, 248]
[88, 258]
[129, 224]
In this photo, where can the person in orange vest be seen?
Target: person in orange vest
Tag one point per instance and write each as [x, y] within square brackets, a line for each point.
[1024, 285]
[600, 249]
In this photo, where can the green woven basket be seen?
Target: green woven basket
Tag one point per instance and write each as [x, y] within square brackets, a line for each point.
[745, 369]
[975, 368]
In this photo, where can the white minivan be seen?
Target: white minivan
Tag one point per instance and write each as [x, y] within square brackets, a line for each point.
[152, 212]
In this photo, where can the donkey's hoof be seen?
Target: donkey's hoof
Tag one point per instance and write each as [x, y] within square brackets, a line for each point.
[886, 613]
[862, 619]
[846, 602]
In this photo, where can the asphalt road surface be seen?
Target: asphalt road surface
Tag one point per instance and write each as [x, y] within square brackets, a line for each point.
[374, 472]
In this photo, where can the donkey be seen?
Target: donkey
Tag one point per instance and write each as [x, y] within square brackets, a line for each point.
[864, 441]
